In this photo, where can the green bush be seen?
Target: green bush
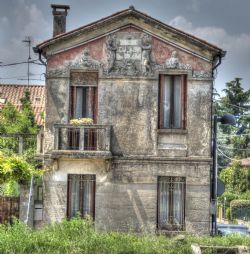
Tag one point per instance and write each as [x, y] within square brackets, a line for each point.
[240, 209]
[245, 195]
[16, 168]
[229, 197]
[78, 236]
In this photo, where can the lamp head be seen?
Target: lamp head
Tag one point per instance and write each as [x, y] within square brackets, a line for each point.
[227, 119]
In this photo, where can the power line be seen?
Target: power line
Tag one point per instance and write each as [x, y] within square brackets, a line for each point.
[229, 148]
[23, 62]
[220, 136]
[226, 155]
[232, 104]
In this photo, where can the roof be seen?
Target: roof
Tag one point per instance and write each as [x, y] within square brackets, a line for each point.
[122, 14]
[245, 162]
[14, 92]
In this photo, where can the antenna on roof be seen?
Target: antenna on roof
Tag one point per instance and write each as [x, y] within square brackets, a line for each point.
[28, 42]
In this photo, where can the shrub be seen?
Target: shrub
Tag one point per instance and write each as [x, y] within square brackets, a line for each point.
[78, 236]
[229, 197]
[240, 209]
[245, 195]
[16, 168]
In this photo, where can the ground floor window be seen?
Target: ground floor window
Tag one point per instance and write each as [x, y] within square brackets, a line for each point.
[81, 195]
[171, 203]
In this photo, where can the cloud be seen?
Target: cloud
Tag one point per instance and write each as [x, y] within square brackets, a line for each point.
[28, 21]
[237, 46]
[194, 5]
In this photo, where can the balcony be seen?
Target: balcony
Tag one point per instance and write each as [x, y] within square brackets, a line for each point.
[82, 141]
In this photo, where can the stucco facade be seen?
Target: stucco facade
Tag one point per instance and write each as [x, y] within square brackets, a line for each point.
[137, 150]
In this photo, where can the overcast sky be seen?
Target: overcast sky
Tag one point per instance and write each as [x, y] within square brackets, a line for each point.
[225, 23]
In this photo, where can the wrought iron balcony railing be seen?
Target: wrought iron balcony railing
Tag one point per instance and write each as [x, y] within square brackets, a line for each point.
[82, 137]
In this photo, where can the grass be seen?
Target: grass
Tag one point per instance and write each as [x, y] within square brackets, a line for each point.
[79, 236]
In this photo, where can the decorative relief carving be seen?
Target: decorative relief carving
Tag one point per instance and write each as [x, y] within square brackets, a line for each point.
[202, 74]
[84, 78]
[57, 73]
[129, 54]
[85, 61]
[146, 62]
[174, 63]
[112, 48]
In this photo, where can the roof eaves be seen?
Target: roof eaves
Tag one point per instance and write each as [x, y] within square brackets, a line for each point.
[126, 11]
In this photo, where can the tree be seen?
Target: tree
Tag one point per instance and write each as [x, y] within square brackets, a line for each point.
[234, 141]
[236, 178]
[12, 121]
[12, 167]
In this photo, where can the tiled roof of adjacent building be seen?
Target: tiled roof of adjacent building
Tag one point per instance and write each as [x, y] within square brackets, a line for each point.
[14, 92]
[245, 162]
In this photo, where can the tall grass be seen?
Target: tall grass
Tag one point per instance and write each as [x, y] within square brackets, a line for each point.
[79, 236]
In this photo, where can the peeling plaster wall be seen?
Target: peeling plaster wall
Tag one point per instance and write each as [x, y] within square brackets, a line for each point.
[130, 106]
[126, 189]
[126, 193]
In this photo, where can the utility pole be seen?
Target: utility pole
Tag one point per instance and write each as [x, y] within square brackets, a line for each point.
[28, 41]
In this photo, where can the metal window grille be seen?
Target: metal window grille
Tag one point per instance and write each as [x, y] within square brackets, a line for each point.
[171, 203]
[81, 195]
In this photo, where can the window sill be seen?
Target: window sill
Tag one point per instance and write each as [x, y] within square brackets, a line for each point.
[173, 131]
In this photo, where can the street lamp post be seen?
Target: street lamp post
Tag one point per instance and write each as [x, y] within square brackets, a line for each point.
[226, 119]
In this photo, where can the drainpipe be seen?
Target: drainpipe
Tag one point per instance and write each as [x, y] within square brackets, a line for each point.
[30, 197]
[216, 62]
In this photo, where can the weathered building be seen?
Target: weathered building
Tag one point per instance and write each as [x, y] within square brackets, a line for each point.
[145, 162]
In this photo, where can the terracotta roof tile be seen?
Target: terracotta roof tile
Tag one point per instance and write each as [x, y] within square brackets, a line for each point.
[14, 92]
[245, 162]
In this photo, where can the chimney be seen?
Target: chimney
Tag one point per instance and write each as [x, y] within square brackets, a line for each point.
[59, 23]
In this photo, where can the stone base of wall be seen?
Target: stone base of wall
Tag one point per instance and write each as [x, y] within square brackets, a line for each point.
[126, 193]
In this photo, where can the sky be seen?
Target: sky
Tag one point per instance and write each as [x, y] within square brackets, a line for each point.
[225, 23]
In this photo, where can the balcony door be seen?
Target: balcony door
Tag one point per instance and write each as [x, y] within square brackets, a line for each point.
[83, 104]
[83, 95]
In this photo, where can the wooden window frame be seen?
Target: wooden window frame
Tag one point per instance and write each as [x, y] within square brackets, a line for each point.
[183, 102]
[171, 180]
[69, 194]
[72, 95]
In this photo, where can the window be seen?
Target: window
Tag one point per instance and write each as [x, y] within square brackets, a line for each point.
[171, 203]
[172, 106]
[83, 95]
[81, 195]
[83, 104]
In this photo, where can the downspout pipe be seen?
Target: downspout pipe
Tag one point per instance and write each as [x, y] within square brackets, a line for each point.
[29, 201]
[216, 63]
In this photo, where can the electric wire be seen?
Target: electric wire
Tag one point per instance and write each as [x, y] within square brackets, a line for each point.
[232, 159]
[229, 148]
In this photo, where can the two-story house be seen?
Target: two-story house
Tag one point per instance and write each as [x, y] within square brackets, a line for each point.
[145, 163]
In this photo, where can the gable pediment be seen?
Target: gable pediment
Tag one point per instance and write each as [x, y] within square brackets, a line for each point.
[125, 19]
[128, 52]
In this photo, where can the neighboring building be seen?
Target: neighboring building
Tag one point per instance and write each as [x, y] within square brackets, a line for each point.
[145, 164]
[14, 92]
[245, 162]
